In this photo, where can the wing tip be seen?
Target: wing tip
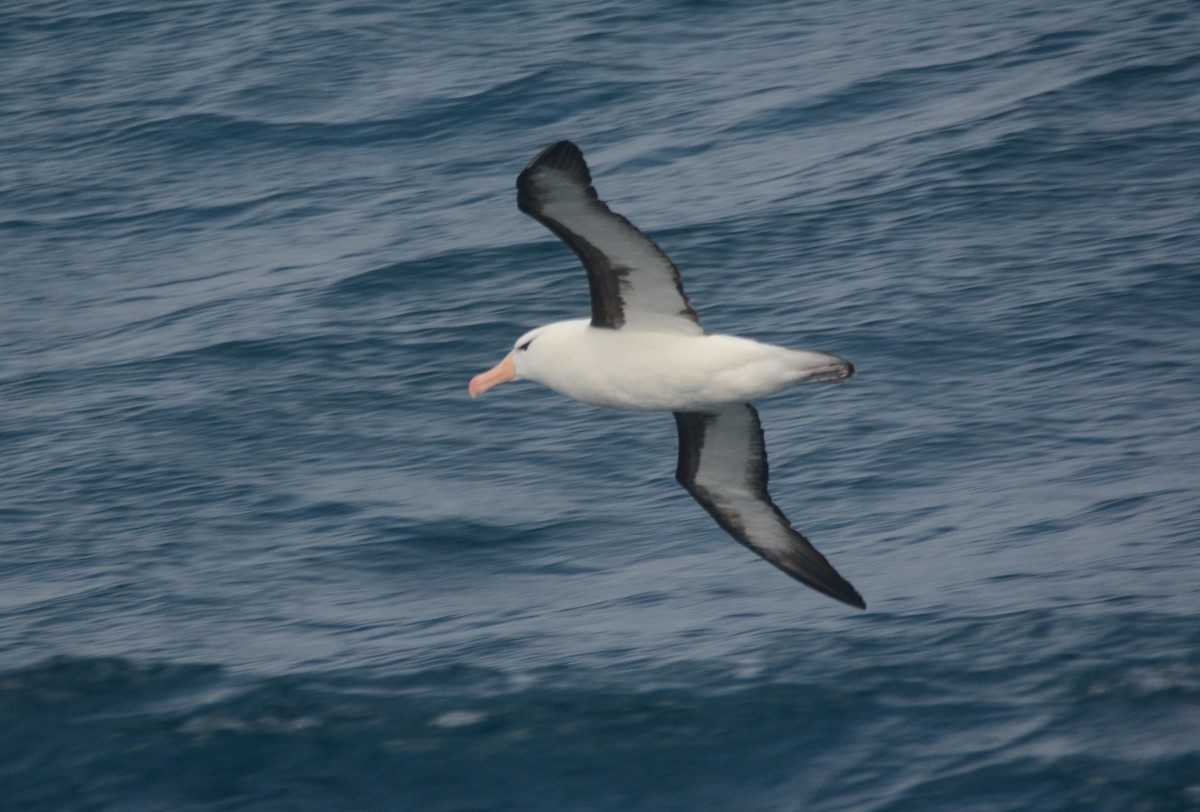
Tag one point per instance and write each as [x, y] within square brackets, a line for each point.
[561, 156]
[822, 577]
[853, 599]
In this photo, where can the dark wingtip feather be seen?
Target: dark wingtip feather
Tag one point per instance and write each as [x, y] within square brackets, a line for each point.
[560, 157]
[813, 570]
[563, 156]
[854, 599]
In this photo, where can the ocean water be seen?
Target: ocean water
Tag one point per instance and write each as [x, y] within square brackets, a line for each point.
[260, 551]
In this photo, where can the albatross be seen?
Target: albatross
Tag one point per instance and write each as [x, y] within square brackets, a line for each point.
[643, 349]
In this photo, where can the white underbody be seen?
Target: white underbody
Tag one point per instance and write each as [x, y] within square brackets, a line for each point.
[664, 371]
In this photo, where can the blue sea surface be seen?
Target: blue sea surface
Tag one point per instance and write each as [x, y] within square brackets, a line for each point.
[260, 551]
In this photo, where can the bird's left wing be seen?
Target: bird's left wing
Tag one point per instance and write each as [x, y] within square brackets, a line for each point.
[723, 465]
[632, 282]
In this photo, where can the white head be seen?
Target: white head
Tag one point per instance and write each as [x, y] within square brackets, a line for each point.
[520, 363]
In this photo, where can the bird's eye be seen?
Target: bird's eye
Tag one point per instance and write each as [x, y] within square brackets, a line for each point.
[525, 346]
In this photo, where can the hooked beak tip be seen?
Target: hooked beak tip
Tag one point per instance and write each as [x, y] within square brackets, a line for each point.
[503, 371]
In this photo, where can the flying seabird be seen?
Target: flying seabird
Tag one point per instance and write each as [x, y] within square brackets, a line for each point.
[644, 349]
